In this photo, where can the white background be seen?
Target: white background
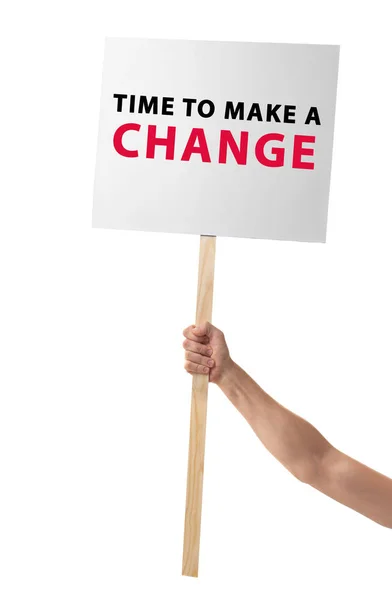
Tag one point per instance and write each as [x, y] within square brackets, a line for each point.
[94, 400]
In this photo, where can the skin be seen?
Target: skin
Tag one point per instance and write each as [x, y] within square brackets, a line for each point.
[294, 442]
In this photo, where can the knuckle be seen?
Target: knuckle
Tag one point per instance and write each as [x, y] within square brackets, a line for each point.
[185, 344]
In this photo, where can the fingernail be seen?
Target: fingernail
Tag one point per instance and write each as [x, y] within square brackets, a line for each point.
[211, 363]
[205, 369]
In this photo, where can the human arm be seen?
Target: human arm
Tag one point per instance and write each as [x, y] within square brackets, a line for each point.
[294, 442]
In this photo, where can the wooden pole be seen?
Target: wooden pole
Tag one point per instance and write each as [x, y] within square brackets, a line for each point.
[197, 435]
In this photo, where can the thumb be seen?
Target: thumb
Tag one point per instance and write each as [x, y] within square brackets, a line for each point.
[203, 329]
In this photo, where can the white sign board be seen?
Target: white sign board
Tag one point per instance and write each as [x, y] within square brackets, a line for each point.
[216, 138]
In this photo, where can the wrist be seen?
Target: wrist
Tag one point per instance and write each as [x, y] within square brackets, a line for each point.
[227, 373]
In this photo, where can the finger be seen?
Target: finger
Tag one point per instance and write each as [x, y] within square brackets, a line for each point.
[204, 329]
[197, 347]
[190, 335]
[194, 368]
[199, 359]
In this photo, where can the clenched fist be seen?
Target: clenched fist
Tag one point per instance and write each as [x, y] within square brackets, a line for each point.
[206, 351]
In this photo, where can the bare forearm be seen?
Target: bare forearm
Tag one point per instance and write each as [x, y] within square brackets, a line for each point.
[306, 453]
[292, 440]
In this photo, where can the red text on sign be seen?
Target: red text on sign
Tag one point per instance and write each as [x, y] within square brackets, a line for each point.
[269, 149]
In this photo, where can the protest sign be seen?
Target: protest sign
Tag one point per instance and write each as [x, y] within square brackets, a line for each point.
[215, 139]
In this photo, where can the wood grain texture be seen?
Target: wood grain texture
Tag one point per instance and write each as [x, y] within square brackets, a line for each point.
[197, 436]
